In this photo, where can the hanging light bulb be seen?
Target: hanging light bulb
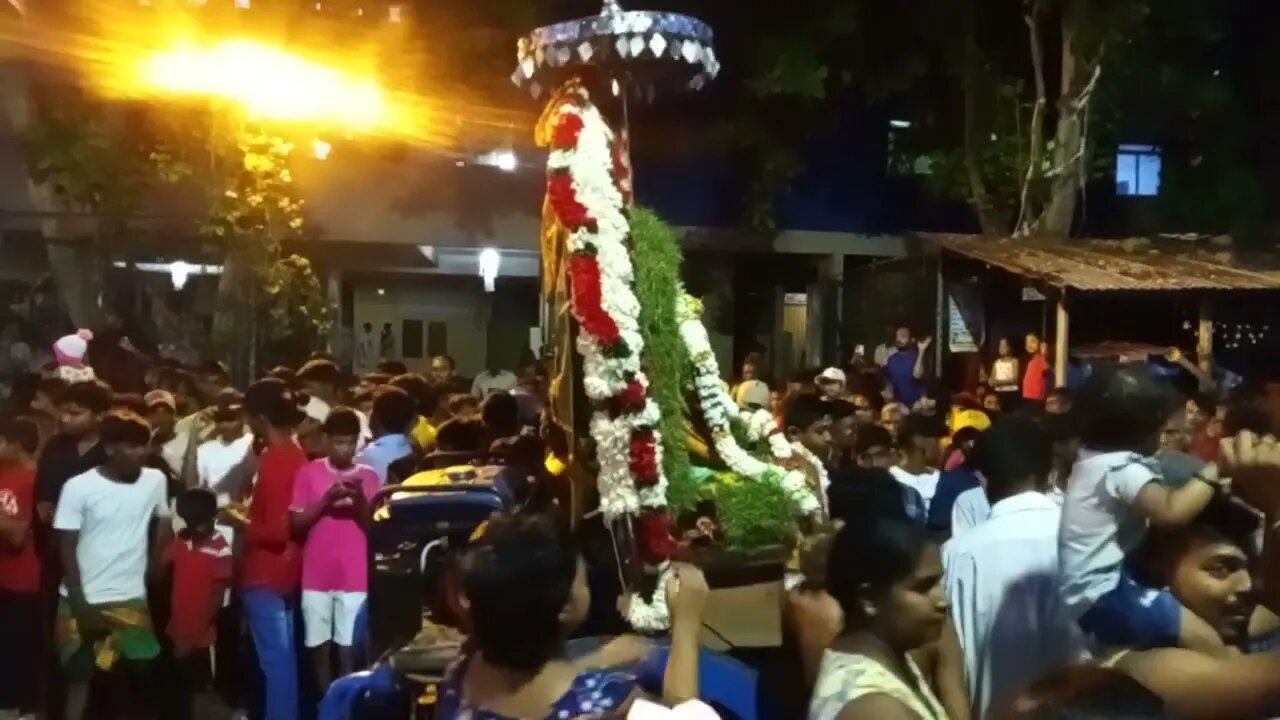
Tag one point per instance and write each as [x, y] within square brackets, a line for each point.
[490, 261]
[179, 271]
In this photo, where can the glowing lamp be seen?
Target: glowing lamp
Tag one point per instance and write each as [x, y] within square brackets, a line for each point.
[179, 271]
[490, 261]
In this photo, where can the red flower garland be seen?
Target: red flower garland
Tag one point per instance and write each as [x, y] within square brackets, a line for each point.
[564, 200]
[564, 136]
[621, 169]
[654, 538]
[653, 528]
[584, 288]
[633, 397]
[644, 457]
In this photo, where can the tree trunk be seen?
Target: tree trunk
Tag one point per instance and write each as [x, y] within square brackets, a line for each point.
[73, 261]
[1079, 74]
[232, 331]
[993, 221]
[1035, 134]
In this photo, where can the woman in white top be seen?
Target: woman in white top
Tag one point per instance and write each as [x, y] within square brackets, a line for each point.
[886, 575]
[1006, 375]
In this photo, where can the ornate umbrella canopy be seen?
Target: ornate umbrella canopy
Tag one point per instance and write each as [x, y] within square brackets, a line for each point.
[642, 50]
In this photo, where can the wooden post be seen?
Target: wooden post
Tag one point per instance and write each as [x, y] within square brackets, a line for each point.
[1204, 344]
[1061, 341]
[943, 324]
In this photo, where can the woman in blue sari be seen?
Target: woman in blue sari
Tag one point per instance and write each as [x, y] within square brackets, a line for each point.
[524, 591]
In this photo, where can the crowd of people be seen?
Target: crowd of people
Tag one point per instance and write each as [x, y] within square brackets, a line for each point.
[1023, 553]
[153, 544]
[1095, 553]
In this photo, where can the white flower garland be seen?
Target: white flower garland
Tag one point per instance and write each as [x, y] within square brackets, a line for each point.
[718, 407]
[589, 165]
[653, 615]
[819, 468]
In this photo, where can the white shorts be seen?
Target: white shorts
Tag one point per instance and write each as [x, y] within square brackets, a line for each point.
[330, 616]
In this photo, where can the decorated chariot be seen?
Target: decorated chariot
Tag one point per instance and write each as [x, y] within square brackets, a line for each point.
[655, 444]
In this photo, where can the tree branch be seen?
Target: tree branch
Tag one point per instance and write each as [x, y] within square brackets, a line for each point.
[1080, 106]
[1035, 155]
[988, 218]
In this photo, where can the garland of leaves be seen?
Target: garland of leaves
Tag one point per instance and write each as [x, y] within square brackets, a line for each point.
[656, 256]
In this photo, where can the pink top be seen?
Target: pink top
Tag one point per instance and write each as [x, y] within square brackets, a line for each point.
[334, 557]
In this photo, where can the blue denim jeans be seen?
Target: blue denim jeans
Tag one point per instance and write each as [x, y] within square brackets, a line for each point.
[270, 619]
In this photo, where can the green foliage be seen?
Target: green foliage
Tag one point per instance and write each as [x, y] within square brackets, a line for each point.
[656, 256]
[296, 305]
[87, 153]
[258, 204]
[255, 206]
[754, 514]
[1186, 102]
[807, 66]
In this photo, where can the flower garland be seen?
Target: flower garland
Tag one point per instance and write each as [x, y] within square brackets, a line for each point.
[718, 408]
[821, 480]
[584, 172]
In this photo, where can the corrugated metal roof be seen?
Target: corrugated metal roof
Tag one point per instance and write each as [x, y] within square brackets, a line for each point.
[1102, 265]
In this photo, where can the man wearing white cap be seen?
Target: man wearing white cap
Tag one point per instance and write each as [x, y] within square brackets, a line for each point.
[831, 383]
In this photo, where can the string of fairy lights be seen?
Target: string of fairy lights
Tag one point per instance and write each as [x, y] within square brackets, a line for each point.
[1234, 335]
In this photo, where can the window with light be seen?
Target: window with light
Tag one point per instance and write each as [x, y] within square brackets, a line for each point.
[1138, 170]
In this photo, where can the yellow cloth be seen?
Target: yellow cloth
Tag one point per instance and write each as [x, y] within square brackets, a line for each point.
[420, 479]
[554, 465]
[423, 433]
[962, 418]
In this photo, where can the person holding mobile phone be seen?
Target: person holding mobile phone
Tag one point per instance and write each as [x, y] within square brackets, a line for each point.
[328, 516]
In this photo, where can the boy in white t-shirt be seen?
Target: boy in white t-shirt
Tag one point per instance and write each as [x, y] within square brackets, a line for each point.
[226, 448]
[104, 520]
[920, 448]
[1111, 496]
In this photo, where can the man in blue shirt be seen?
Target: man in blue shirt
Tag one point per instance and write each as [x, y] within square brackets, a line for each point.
[394, 413]
[905, 367]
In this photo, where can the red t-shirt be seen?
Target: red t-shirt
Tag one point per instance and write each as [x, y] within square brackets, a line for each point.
[271, 559]
[200, 570]
[20, 566]
[1035, 381]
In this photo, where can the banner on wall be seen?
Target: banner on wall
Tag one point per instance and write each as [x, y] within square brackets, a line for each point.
[964, 317]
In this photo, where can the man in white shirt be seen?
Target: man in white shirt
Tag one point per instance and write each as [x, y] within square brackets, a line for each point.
[1002, 576]
[227, 449]
[169, 439]
[366, 351]
[919, 449]
[972, 507]
[104, 518]
[492, 381]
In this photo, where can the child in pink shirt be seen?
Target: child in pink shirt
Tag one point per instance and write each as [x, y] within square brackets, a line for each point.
[329, 512]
